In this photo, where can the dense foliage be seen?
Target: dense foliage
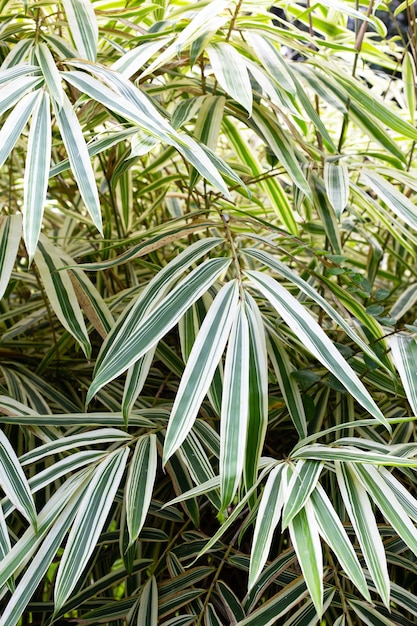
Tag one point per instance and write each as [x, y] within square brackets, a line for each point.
[208, 274]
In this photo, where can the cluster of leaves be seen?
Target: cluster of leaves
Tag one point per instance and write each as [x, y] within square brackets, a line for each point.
[207, 374]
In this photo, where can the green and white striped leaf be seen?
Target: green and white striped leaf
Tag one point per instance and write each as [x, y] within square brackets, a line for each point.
[24, 548]
[406, 499]
[14, 482]
[272, 61]
[395, 200]
[258, 392]
[201, 365]
[288, 385]
[278, 141]
[10, 233]
[334, 534]
[409, 82]
[148, 606]
[280, 604]
[39, 564]
[13, 91]
[370, 615]
[404, 354]
[353, 455]
[230, 70]
[302, 481]
[314, 338]
[336, 180]
[139, 484]
[79, 159]
[132, 61]
[370, 104]
[16, 71]
[15, 123]
[363, 521]
[235, 408]
[38, 161]
[135, 379]
[267, 519]
[304, 533]
[197, 26]
[134, 339]
[61, 293]
[91, 516]
[92, 437]
[5, 546]
[50, 73]
[129, 102]
[83, 25]
[207, 126]
[390, 507]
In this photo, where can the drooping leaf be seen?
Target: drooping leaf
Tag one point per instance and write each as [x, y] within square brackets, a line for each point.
[36, 178]
[79, 159]
[363, 520]
[139, 484]
[135, 339]
[267, 519]
[61, 292]
[83, 25]
[10, 233]
[235, 408]
[314, 338]
[230, 70]
[202, 362]
[91, 516]
[14, 482]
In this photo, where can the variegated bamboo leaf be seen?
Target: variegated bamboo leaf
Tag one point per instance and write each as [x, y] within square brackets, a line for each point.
[10, 233]
[201, 364]
[230, 70]
[363, 520]
[315, 339]
[61, 292]
[404, 354]
[235, 408]
[91, 516]
[305, 538]
[134, 338]
[79, 159]
[83, 25]
[267, 519]
[38, 161]
[139, 484]
[336, 180]
[14, 482]
[148, 606]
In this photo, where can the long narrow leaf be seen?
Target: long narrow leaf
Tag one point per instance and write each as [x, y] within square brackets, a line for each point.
[91, 516]
[235, 408]
[404, 354]
[36, 177]
[301, 484]
[230, 70]
[139, 484]
[15, 123]
[148, 607]
[267, 519]
[61, 292]
[363, 520]
[315, 339]
[334, 534]
[83, 24]
[202, 362]
[79, 159]
[258, 391]
[10, 232]
[133, 340]
[306, 541]
[14, 482]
